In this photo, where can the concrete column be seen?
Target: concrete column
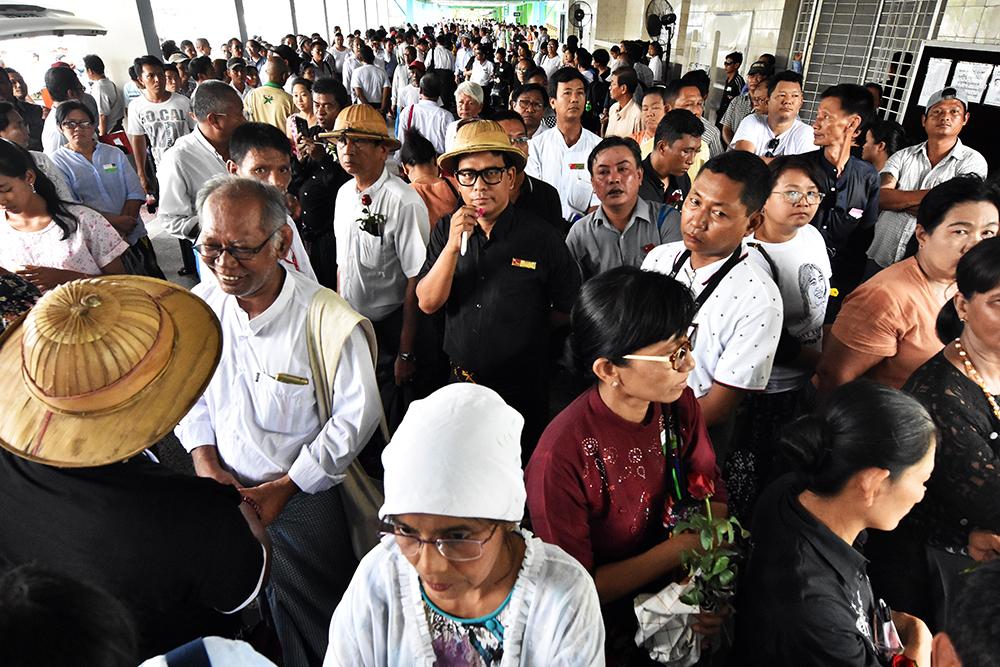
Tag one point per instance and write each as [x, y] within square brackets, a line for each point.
[241, 20]
[148, 26]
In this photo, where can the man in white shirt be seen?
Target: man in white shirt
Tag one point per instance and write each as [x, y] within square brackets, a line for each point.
[482, 67]
[277, 424]
[780, 132]
[440, 57]
[370, 84]
[550, 60]
[196, 157]
[156, 119]
[339, 52]
[740, 313]
[381, 225]
[625, 115]
[237, 68]
[462, 58]
[427, 116]
[910, 174]
[351, 63]
[110, 101]
[559, 157]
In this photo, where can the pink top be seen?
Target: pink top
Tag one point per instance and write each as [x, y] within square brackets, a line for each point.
[93, 245]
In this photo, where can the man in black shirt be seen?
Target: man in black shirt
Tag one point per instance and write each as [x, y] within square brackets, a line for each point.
[530, 193]
[846, 217]
[515, 279]
[77, 493]
[733, 85]
[665, 171]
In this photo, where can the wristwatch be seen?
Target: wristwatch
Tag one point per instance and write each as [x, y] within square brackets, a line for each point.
[408, 356]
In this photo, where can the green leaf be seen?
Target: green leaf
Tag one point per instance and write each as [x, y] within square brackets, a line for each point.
[706, 541]
[726, 577]
[720, 565]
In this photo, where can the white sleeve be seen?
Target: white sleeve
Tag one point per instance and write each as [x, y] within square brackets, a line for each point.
[534, 165]
[355, 413]
[177, 214]
[358, 629]
[746, 132]
[133, 126]
[412, 233]
[196, 428]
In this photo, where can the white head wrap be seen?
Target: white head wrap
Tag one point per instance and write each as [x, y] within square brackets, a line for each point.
[456, 453]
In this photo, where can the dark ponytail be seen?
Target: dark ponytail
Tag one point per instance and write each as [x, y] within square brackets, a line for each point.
[15, 162]
[978, 272]
[862, 425]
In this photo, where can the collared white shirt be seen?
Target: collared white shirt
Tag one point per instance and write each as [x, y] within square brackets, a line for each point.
[400, 82]
[373, 270]
[371, 80]
[482, 72]
[430, 119]
[247, 89]
[738, 326]
[183, 170]
[796, 140]
[624, 121]
[913, 171]
[463, 58]
[440, 58]
[564, 168]
[264, 428]
[350, 64]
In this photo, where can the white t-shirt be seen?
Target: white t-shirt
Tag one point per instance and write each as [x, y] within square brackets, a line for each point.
[795, 140]
[371, 80]
[162, 123]
[803, 268]
[738, 326]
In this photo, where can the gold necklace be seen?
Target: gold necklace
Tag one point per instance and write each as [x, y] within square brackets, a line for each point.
[976, 377]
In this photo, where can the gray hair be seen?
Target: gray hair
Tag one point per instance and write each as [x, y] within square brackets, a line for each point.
[274, 215]
[214, 97]
[470, 89]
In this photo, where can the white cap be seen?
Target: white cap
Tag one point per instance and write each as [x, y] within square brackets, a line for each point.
[456, 453]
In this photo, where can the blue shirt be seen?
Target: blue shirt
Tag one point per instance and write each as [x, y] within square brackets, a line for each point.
[104, 183]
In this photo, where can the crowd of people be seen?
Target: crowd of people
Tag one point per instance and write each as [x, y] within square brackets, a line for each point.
[475, 311]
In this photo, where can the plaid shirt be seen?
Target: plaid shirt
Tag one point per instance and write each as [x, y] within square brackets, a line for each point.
[739, 108]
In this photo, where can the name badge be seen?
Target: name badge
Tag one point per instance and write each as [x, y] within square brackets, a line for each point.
[576, 165]
[856, 213]
[110, 168]
[523, 264]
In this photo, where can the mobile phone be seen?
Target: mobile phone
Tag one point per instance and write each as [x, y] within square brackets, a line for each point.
[301, 126]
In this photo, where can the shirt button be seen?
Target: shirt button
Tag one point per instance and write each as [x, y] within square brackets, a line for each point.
[963, 522]
[479, 305]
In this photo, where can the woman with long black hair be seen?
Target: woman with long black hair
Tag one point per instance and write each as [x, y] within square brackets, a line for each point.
[43, 239]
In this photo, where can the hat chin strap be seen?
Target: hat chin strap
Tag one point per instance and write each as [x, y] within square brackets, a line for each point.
[122, 391]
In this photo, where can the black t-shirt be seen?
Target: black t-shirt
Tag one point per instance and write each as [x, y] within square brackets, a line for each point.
[804, 595]
[497, 315]
[174, 549]
[652, 189]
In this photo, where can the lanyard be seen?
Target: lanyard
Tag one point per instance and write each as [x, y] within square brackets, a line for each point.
[716, 278]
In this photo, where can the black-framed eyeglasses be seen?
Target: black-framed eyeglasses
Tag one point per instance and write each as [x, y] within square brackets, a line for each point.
[729, 63]
[213, 252]
[453, 549]
[490, 176]
[678, 357]
[794, 196]
[73, 124]
[772, 145]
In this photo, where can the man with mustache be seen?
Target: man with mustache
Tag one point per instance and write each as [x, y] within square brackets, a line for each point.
[911, 173]
[781, 131]
[624, 228]
[739, 306]
[560, 158]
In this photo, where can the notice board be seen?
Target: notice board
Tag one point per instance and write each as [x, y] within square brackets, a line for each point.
[973, 68]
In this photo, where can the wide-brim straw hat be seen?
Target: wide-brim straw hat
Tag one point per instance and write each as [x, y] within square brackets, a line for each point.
[477, 137]
[102, 368]
[361, 121]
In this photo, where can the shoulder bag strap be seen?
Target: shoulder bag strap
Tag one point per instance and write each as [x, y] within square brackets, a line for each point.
[717, 277]
[192, 654]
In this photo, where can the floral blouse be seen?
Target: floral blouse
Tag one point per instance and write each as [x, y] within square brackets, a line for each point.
[963, 492]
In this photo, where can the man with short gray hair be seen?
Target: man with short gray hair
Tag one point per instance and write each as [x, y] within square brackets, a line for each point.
[289, 407]
[196, 157]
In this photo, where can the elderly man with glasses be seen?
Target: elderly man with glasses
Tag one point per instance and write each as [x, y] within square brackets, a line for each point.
[502, 274]
[291, 404]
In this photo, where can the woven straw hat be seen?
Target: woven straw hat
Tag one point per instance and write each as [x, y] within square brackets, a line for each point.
[477, 137]
[102, 368]
[361, 121]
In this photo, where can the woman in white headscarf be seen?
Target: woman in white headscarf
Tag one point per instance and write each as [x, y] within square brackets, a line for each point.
[455, 580]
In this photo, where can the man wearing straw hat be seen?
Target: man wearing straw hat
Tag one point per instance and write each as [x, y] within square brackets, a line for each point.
[381, 226]
[97, 371]
[501, 273]
[292, 403]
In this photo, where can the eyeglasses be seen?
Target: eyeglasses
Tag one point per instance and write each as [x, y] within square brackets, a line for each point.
[453, 550]
[678, 357]
[729, 63]
[73, 124]
[534, 106]
[794, 197]
[490, 176]
[771, 146]
[521, 139]
[213, 252]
